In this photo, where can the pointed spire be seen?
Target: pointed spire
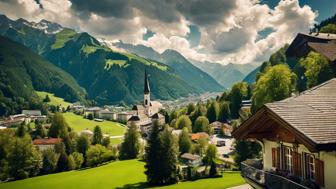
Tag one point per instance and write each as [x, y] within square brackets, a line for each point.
[146, 87]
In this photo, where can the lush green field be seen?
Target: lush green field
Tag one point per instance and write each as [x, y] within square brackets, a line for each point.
[54, 100]
[120, 174]
[78, 123]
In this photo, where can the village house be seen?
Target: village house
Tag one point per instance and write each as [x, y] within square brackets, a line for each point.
[144, 115]
[323, 43]
[298, 139]
[46, 143]
[191, 159]
[33, 115]
[107, 115]
[92, 110]
[217, 126]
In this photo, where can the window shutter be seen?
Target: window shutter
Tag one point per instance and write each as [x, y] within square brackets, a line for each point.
[278, 158]
[273, 157]
[319, 172]
[295, 166]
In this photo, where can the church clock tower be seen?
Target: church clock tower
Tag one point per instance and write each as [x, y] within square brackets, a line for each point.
[147, 95]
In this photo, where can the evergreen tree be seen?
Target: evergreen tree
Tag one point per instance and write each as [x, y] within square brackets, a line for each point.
[59, 127]
[40, 131]
[213, 111]
[131, 146]
[97, 135]
[202, 125]
[224, 113]
[185, 143]
[50, 159]
[238, 93]
[106, 142]
[152, 156]
[68, 144]
[46, 99]
[63, 162]
[191, 108]
[168, 166]
[21, 130]
[184, 122]
[83, 145]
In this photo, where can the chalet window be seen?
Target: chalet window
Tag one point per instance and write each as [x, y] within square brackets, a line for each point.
[288, 158]
[310, 166]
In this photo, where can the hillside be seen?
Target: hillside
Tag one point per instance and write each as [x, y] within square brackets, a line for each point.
[22, 72]
[251, 77]
[109, 77]
[195, 77]
[226, 75]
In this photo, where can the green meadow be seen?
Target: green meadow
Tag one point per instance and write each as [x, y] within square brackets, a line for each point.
[119, 175]
[78, 123]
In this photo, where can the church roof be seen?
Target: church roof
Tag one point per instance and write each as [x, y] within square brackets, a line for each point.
[146, 86]
[134, 118]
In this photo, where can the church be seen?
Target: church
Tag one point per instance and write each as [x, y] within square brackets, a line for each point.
[145, 114]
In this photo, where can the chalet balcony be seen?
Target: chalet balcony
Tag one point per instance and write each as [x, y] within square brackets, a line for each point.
[253, 173]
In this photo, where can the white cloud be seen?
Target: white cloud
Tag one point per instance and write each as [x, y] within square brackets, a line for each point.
[229, 29]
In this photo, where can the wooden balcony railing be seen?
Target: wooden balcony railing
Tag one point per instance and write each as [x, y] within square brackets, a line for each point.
[268, 180]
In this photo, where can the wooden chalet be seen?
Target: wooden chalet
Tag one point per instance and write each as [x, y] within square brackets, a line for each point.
[298, 136]
[323, 43]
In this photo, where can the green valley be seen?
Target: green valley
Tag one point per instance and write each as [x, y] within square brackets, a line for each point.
[119, 175]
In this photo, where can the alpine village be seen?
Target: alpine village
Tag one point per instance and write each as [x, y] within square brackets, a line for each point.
[167, 94]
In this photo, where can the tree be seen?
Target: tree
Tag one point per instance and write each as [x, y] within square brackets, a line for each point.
[7, 137]
[21, 130]
[106, 142]
[201, 146]
[152, 156]
[78, 159]
[238, 93]
[224, 112]
[131, 146]
[168, 166]
[185, 143]
[97, 135]
[24, 160]
[90, 116]
[201, 110]
[246, 150]
[317, 69]
[184, 122]
[211, 154]
[50, 159]
[96, 155]
[330, 28]
[71, 163]
[213, 111]
[59, 127]
[276, 84]
[63, 162]
[46, 99]
[202, 125]
[83, 145]
[191, 108]
[40, 131]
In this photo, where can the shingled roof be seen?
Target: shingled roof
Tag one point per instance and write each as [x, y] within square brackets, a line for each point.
[326, 49]
[311, 116]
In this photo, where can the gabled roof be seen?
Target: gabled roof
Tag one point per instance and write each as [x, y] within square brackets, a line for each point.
[134, 118]
[157, 116]
[189, 156]
[326, 49]
[311, 117]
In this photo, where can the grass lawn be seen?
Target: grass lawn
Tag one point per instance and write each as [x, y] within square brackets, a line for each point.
[116, 141]
[54, 100]
[120, 175]
[78, 123]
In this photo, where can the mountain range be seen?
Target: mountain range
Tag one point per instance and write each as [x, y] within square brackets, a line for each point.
[108, 76]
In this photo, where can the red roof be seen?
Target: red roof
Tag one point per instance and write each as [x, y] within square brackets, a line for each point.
[196, 136]
[47, 141]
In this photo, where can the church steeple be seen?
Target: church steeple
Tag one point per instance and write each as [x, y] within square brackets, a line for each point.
[146, 86]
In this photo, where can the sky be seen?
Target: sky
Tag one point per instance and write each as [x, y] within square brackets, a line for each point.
[222, 31]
